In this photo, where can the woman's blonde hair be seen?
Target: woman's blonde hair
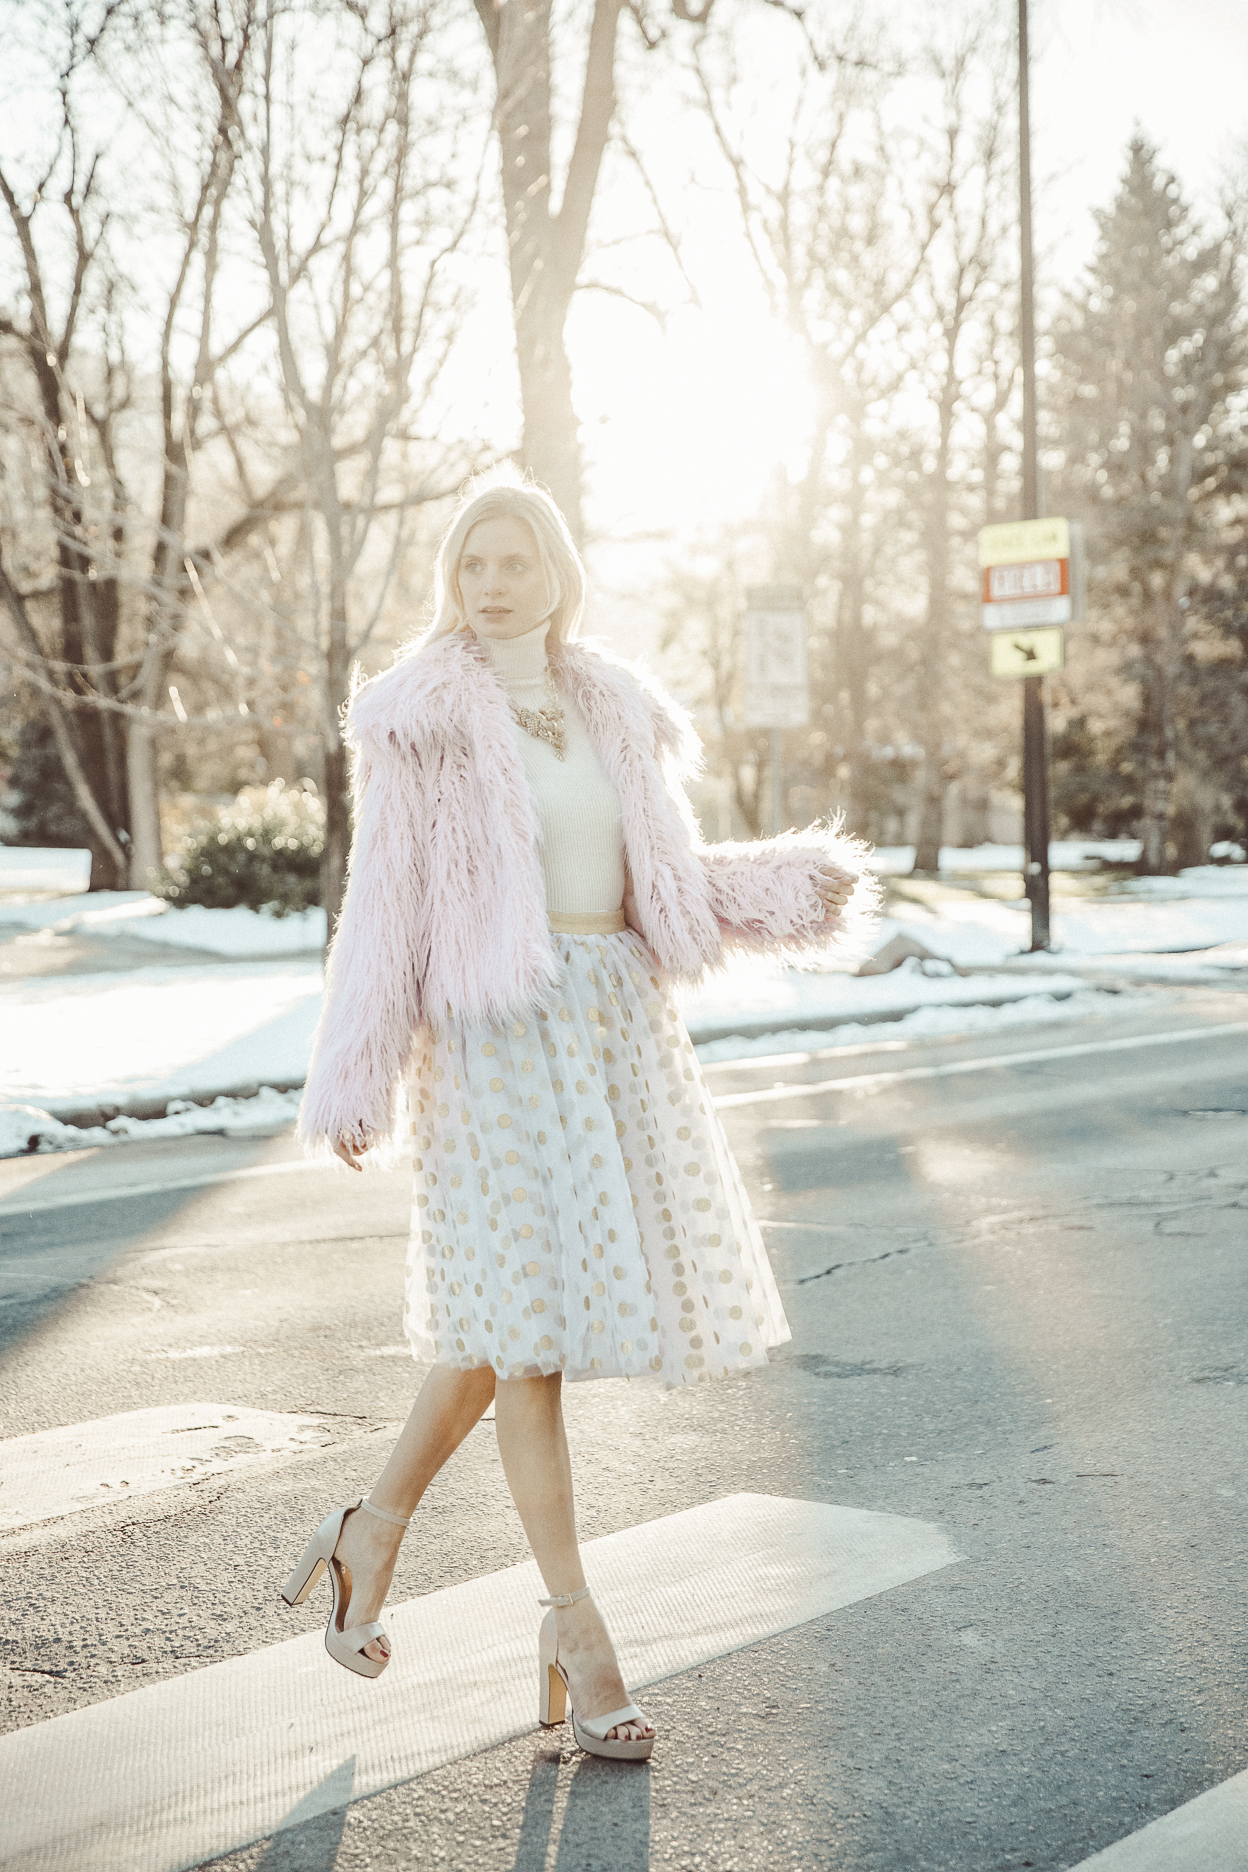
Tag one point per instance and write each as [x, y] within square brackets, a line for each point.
[556, 551]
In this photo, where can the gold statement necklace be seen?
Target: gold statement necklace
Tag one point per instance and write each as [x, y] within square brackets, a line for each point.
[545, 724]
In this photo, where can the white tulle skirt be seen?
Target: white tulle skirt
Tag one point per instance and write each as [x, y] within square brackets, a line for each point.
[577, 1207]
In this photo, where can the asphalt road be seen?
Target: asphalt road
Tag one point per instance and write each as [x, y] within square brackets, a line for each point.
[1018, 1299]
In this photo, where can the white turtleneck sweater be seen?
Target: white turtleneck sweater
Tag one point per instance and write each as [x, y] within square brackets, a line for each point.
[578, 808]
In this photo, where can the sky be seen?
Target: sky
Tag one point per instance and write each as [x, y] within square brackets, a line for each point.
[684, 425]
[714, 401]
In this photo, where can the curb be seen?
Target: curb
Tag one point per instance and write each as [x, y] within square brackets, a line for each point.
[84, 1116]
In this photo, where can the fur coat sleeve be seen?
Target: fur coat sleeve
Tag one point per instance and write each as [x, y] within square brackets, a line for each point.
[372, 997]
[762, 893]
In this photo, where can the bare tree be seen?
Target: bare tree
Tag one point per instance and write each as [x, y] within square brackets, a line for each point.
[963, 275]
[545, 246]
[839, 221]
[356, 210]
[293, 254]
[118, 585]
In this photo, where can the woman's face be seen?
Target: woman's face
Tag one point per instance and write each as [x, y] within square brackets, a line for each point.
[500, 579]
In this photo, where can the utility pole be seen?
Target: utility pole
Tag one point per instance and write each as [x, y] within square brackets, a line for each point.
[1035, 748]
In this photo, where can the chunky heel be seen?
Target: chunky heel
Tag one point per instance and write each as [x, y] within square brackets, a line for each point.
[306, 1574]
[345, 1647]
[552, 1702]
[554, 1698]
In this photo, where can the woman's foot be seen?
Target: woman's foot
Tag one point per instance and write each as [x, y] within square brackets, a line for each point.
[588, 1656]
[365, 1557]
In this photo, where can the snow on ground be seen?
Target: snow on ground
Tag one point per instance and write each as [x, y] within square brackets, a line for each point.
[74, 1040]
[751, 996]
[926, 1023]
[25, 1129]
[44, 868]
[235, 932]
[197, 1029]
[1064, 855]
[1208, 909]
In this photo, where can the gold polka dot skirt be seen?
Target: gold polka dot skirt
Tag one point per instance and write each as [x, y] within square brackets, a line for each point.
[577, 1207]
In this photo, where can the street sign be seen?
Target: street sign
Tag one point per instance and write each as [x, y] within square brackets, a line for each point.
[1027, 652]
[1032, 574]
[777, 689]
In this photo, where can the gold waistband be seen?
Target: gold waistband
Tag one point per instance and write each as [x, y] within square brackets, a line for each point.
[593, 923]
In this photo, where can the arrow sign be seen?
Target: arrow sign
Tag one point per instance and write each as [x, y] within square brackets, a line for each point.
[1027, 652]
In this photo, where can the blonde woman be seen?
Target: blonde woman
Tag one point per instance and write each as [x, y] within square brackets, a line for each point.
[527, 888]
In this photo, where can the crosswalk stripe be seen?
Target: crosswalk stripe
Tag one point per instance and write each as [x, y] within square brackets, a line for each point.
[111, 1459]
[183, 1771]
[1208, 1834]
[874, 1082]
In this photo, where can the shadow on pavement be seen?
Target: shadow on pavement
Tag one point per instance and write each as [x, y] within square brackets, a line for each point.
[312, 1831]
[606, 1822]
[45, 1257]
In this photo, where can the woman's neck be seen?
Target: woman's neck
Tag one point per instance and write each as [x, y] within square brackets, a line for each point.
[519, 659]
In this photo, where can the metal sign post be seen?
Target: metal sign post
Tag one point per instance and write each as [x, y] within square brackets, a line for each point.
[1032, 585]
[777, 684]
[1035, 748]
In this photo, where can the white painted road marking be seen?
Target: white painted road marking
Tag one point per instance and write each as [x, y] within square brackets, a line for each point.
[201, 1765]
[874, 1082]
[1208, 1834]
[61, 1472]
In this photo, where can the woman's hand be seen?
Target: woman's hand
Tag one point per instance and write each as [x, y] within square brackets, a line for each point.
[349, 1146]
[835, 887]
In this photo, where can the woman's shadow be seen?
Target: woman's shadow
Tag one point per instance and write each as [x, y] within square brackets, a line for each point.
[606, 1822]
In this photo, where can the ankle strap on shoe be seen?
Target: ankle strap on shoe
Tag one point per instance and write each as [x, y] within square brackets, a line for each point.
[383, 1514]
[566, 1598]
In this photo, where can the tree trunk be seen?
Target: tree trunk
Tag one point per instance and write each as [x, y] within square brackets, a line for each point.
[935, 632]
[851, 660]
[936, 626]
[545, 250]
[931, 812]
[146, 844]
[1162, 745]
[337, 835]
[337, 797]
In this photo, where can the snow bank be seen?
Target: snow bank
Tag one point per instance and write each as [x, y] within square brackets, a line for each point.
[759, 996]
[925, 1023]
[974, 933]
[44, 868]
[236, 932]
[1064, 855]
[25, 1129]
[94, 910]
[76, 1040]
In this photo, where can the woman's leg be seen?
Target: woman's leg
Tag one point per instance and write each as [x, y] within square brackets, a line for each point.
[528, 1415]
[448, 1404]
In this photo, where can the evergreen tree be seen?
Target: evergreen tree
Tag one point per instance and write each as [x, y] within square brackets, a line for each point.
[41, 806]
[1151, 360]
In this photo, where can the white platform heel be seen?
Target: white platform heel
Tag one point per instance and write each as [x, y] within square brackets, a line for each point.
[555, 1697]
[345, 1647]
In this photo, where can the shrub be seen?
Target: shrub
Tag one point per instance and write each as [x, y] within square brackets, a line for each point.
[263, 851]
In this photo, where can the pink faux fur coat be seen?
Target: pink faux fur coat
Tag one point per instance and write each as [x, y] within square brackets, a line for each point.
[445, 914]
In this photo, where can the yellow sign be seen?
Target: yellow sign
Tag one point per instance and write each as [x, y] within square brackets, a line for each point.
[1017, 541]
[1027, 652]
